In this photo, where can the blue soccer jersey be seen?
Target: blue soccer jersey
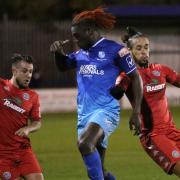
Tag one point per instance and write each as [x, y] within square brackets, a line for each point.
[97, 70]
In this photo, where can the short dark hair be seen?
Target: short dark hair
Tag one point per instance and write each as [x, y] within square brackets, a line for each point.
[16, 58]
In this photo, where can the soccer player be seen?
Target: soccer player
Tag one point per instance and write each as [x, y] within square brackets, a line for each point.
[19, 116]
[159, 136]
[98, 62]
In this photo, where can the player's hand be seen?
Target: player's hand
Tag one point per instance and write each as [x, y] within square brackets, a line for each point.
[23, 132]
[135, 123]
[57, 46]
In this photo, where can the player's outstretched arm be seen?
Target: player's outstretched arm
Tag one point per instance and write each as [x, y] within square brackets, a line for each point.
[57, 46]
[137, 89]
[24, 132]
[60, 57]
[177, 80]
[172, 76]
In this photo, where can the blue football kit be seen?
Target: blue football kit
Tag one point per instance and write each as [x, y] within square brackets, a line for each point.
[97, 70]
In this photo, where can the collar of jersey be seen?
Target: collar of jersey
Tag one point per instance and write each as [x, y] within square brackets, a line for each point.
[98, 42]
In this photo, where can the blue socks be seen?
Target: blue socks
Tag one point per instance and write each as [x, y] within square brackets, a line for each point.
[94, 166]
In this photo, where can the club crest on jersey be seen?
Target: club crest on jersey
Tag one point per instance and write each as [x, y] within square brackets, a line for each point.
[175, 154]
[124, 51]
[156, 73]
[101, 54]
[26, 96]
[6, 175]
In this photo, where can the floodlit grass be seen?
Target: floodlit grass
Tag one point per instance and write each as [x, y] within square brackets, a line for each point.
[55, 146]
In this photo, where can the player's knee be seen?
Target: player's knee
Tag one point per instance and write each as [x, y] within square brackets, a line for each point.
[176, 169]
[85, 147]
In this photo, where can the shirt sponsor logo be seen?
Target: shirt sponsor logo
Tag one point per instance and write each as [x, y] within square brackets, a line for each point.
[124, 51]
[151, 88]
[90, 70]
[130, 61]
[9, 104]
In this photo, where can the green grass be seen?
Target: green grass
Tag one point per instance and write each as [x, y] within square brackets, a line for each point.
[55, 146]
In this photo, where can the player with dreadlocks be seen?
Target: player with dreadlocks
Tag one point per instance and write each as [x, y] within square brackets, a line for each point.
[97, 62]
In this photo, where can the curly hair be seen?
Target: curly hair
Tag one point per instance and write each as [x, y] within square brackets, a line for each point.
[97, 16]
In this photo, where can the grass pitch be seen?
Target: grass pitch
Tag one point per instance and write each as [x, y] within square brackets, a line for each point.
[55, 146]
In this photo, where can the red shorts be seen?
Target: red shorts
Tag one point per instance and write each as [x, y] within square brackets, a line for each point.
[19, 165]
[164, 149]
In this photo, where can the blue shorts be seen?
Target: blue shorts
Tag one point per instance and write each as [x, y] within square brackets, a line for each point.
[108, 121]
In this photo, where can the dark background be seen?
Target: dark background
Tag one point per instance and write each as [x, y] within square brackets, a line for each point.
[29, 27]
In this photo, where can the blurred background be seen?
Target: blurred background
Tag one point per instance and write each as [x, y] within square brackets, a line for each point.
[30, 26]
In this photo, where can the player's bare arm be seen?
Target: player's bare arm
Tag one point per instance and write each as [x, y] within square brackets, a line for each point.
[135, 122]
[177, 83]
[34, 126]
[60, 57]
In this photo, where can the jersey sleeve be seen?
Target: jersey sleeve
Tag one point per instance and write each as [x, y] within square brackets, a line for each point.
[35, 113]
[125, 61]
[123, 81]
[172, 76]
[71, 61]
